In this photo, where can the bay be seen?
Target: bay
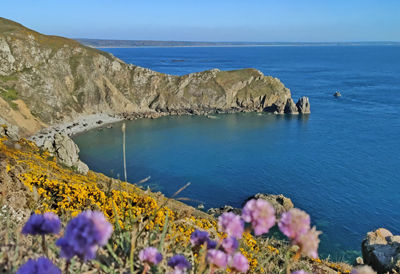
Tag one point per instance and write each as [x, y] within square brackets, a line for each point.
[341, 163]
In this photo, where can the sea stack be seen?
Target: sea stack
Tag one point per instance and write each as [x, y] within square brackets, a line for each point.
[303, 105]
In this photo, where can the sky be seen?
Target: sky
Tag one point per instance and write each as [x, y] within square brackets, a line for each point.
[212, 20]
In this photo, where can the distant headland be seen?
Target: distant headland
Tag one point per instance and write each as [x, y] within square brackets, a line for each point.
[104, 43]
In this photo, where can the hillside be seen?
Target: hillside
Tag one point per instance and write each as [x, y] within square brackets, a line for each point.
[32, 180]
[49, 79]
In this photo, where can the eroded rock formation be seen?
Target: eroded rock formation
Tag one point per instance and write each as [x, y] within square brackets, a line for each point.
[66, 151]
[303, 105]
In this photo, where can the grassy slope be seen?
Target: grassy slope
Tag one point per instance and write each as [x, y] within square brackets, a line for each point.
[31, 180]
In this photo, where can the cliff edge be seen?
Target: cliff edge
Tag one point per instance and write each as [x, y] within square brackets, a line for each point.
[46, 80]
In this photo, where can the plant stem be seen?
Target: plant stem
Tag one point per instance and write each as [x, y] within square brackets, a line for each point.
[67, 266]
[123, 148]
[146, 268]
[44, 245]
[212, 269]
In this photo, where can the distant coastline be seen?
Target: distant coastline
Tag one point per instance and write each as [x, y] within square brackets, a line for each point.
[104, 43]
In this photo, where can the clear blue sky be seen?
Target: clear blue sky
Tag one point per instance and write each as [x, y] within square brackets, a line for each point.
[212, 20]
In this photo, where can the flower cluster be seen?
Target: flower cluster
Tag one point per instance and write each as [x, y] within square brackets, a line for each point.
[260, 214]
[150, 255]
[39, 224]
[179, 263]
[84, 234]
[221, 253]
[65, 192]
[231, 224]
[295, 224]
[40, 266]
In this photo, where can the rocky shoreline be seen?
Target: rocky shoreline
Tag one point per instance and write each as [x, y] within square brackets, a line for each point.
[87, 122]
[79, 125]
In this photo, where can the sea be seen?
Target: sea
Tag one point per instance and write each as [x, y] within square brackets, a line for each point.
[341, 163]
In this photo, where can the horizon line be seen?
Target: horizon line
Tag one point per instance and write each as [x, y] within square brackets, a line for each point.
[224, 42]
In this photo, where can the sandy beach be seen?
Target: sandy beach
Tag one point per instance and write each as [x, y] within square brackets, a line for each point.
[79, 125]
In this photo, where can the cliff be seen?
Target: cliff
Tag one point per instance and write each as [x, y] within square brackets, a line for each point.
[49, 79]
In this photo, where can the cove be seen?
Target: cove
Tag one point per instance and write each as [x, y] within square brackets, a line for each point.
[340, 164]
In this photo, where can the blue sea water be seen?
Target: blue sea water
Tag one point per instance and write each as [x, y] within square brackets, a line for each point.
[341, 163]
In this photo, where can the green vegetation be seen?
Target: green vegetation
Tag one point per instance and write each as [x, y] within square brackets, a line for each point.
[10, 95]
[7, 78]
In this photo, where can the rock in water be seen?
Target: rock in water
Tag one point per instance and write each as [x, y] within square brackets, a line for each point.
[224, 209]
[381, 251]
[337, 94]
[303, 105]
[291, 107]
[279, 202]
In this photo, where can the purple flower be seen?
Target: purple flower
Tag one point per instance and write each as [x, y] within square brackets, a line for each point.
[363, 270]
[211, 244]
[231, 224]
[199, 237]
[230, 245]
[179, 263]
[300, 272]
[239, 263]
[294, 223]
[217, 258]
[84, 234]
[42, 224]
[308, 242]
[41, 266]
[150, 255]
[260, 214]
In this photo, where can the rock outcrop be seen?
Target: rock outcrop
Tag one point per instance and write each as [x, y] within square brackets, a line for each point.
[279, 202]
[290, 107]
[337, 94]
[66, 151]
[224, 209]
[45, 80]
[381, 251]
[303, 105]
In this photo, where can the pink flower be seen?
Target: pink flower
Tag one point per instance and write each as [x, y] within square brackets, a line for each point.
[230, 245]
[260, 214]
[239, 263]
[300, 272]
[150, 255]
[217, 258]
[309, 242]
[231, 224]
[294, 223]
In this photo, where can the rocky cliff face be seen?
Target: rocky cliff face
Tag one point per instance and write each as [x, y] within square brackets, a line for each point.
[48, 79]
